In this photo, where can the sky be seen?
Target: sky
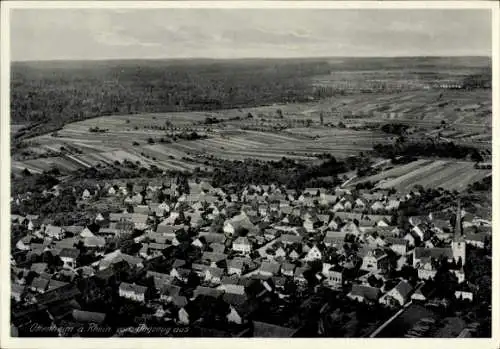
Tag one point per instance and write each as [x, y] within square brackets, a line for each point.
[83, 34]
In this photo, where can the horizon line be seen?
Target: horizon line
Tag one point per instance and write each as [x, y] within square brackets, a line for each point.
[240, 58]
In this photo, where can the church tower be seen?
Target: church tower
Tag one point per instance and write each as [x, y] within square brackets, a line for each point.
[458, 243]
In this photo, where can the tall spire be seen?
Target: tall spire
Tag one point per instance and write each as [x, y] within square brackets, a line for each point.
[458, 223]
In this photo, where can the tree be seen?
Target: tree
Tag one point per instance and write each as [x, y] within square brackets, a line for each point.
[217, 224]
[279, 112]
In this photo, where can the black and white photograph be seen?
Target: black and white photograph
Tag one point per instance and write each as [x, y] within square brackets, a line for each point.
[248, 172]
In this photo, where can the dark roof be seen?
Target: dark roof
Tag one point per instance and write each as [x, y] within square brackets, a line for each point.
[287, 267]
[39, 283]
[38, 267]
[230, 280]
[133, 287]
[270, 267]
[396, 241]
[16, 288]
[213, 257]
[236, 263]
[403, 288]
[266, 330]
[234, 299]
[170, 290]
[217, 272]
[436, 252]
[207, 291]
[179, 301]
[178, 263]
[54, 284]
[88, 316]
[367, 292]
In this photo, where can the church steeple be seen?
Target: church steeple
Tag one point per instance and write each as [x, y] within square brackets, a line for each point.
[458, 245]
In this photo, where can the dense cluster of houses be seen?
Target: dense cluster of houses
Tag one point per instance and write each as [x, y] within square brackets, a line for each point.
[258, 240]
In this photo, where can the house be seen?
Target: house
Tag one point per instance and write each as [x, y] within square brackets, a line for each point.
[159, 279]
[280, 253]
[86, 233]
[398, 245]
[39, 284]
[410, 238]
[464, 295]
[477, 237]
[375, 260]
[231, 284]
[94, 242]
[364, 293]
[313, 254]
[17, 291]
[422, 232]
[239, 312]
[422, 254]
[334, 276]
[198, 243]
[69, 257]
[217, 247]
[242, 245]
[287, 269]
[132, 291]
[426, 270]
[168, 292]
[238, 223]
[207, 291]
[86, 194]
[266, 330]
[82, 316]
[293, 255]
[339, 206]
[351, 228]
[334, 238]
[269, 268]
[327, 199]
[422, 293]
[359, 204]
[299, 276]
[398, 296]
[377, 206]
[235, 266]
[214, 275]
[54, 232]
[189, 313]
[116, 257]
[392, 205]
[289, 239]
[212, 257]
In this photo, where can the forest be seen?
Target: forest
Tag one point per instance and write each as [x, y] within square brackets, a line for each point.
[47, 95]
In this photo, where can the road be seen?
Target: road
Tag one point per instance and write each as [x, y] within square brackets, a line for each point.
[385, 324]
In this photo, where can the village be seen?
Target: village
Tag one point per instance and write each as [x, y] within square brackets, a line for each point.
[207, 261]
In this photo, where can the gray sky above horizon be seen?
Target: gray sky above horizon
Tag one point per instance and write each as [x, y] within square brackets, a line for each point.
[49, 34]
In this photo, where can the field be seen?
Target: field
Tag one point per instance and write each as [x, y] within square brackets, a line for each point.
[449, 175]
[126, 138]
[263, 110]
